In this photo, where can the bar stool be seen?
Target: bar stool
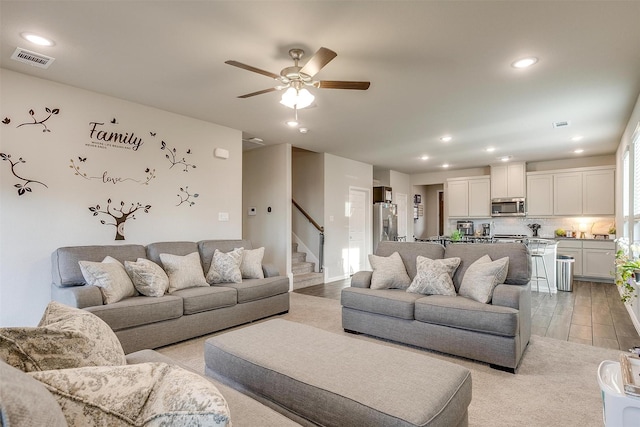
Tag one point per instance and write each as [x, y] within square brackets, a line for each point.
[537, 248]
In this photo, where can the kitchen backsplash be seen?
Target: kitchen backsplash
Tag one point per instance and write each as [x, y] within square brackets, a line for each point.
[591, 225]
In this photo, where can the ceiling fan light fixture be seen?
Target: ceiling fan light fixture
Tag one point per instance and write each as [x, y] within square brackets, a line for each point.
[297, 98]
[292, 123]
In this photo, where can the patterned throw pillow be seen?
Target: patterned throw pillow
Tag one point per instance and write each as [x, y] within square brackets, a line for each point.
[482, 277]
[434, 276]
[155, 394]
[66, 337]
[111, 277]
[183, 271]
[251, 266]
[148, 277]
[225, 267]
[388, 272]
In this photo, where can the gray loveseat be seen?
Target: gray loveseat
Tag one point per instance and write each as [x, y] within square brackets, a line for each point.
[496, 333]
[143, 322]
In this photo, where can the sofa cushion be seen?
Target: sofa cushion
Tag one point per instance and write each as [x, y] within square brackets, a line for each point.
[225, 267]
[482, 277]
[409, 252]
[66, 337]
[389, 272]
[196, 300]
[464, 313]
[388, 302]
[66, 270]
[139, 311]
[111, 277]
[251, 265]
[519, 272]
[148, 277]
[256, 289]
[26, 402]
[208, 247]
[434, 276]
[183, 271]
[135, 395]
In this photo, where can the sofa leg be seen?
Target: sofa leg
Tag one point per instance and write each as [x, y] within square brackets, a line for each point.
[502, 368]
[353, 332]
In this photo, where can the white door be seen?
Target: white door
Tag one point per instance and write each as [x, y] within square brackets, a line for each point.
[357, 229]
[401, 201]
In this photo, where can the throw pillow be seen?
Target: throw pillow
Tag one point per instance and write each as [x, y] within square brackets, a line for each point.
[434, 276]
[148, 277]
[388, 272]
[482, 277]
[135, 395]
[225, 267]
[26, 402]
[183, 271]
[66, 337]
[111, 277]
[251, 265]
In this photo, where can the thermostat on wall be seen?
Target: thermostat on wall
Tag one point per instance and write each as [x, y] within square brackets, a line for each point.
[252, 211]
[221, 153]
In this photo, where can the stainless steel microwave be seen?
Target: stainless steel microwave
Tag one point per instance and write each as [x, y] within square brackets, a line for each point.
[513, 206]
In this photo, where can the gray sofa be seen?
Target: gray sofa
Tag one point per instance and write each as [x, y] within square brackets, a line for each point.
[496, 333]
[143, 322]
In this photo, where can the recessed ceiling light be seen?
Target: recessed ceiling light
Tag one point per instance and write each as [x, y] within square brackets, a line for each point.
[36, 39]
[303, 130]
[292, 123]
[445, 165]
[524, 62]
[490, 149]
[505, 158]
[446, 138]
[578, 151]
[577, 138]
[424, 158]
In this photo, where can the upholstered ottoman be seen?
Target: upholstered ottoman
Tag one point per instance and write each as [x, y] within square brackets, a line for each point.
[320, 378]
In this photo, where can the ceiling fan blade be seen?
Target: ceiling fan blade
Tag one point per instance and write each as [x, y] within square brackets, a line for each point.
[253, 69]
[321, 58]
[260, 92]
[337, 84]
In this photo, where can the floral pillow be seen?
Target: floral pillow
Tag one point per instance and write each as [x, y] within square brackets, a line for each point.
[148, 277]
[388, 272]
[140, 394]
[225, 267]
[434, 276]
[482, 277]
[111, 277]
[66, 337]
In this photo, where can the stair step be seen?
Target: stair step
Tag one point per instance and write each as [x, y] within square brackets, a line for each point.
[298, 257]
[294, 247]
[302, 267]
[307, 279]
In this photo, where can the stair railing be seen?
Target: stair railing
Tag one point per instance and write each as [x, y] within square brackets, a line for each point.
[320, 230]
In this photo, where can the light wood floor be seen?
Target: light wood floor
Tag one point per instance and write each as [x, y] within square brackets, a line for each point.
[591, 314]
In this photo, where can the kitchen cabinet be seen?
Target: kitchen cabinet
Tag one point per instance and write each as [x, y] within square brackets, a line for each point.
[508, 180]
[571, 192]
[593, 258]
[469, 197]
[539, 195]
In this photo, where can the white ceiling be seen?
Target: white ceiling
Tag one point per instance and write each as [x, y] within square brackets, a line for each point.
[436, 67]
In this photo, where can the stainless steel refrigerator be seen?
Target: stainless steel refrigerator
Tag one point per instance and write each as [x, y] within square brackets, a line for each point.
[385, 223]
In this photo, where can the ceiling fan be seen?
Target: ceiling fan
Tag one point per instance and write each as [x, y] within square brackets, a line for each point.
[295, 78]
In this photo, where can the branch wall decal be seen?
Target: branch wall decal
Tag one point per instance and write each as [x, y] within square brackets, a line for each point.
[119, 215]
[185, 198]
[172, 156]
[41, 122]
[107, 178]
[22, 187]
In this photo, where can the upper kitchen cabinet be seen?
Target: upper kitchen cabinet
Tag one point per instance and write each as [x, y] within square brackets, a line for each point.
[571, 192]
[469, 197]
[508, 180]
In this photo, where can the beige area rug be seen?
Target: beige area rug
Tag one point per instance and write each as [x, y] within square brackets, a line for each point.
[556, 384]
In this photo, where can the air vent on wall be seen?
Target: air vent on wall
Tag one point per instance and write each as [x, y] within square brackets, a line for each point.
[32, 58]
[562, 124]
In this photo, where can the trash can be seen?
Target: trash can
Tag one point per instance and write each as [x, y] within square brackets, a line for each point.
[564, 272]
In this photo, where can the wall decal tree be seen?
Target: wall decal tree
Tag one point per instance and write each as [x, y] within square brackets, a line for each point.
[23, 187]
[119, 215]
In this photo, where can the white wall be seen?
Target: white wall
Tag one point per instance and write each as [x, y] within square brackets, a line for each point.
[267, 184]
[340, 175]
[34, 224]
[574, 162]
[429, 178]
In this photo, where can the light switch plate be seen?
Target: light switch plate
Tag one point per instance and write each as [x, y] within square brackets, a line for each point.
[223, 216]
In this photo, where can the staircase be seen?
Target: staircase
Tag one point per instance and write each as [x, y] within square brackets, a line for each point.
[303, 271]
